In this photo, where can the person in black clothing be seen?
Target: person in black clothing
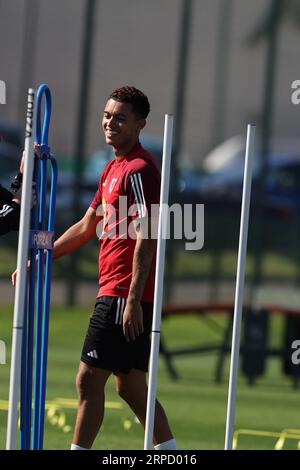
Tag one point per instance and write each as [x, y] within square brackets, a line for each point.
[9, 210]
[10, 203]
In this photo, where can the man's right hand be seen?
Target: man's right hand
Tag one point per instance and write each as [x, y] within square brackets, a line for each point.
[15, 273]
[14, 278]
[18, 196]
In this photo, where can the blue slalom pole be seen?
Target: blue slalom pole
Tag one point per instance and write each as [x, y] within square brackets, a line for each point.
[39, 301]
[43, 282]
[46, 310]
[38, 304]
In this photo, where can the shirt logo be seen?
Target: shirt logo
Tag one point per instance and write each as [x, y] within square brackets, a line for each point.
[112, 184]
[104, 183]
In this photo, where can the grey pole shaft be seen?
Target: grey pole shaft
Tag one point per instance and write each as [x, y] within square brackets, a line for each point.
[18, 321]
[239, 291]
[159, 280]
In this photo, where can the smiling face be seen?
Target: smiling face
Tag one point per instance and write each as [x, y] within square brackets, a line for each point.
[121, 126]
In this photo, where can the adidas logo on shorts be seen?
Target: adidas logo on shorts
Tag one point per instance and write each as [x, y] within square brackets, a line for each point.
[93, 354]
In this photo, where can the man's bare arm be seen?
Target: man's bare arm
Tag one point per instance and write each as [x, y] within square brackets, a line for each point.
[77, 235]
[142, 259]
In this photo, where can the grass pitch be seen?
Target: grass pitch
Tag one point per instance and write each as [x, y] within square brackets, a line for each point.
[195, 405]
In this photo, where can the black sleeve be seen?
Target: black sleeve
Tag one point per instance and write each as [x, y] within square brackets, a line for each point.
[9, 215]
[5, 196]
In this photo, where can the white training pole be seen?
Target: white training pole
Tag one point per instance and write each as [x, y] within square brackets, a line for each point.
[239, 290]
[18, 321]
[159, 280]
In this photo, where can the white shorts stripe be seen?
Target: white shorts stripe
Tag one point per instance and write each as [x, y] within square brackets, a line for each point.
[122, 311]
[118, 310]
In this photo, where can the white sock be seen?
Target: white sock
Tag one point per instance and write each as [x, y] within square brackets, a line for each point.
[76, 447]
[168, 445]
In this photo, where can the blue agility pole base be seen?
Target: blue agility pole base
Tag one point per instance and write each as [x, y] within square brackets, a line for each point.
[37, 303]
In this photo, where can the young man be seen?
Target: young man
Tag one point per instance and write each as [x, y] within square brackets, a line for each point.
[117, 340]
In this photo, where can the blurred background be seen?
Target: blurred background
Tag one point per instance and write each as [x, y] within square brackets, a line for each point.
[217, 65]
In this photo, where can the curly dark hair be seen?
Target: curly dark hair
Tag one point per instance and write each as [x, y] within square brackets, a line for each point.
[138, 100]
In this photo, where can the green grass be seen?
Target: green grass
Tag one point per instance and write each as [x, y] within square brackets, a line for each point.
[195, 405]
[187, 265]
[191, 264]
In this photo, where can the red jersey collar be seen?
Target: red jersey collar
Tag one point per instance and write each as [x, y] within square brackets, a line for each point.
[136, 151]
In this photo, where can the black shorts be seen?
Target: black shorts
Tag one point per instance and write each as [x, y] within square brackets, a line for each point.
[105, 345]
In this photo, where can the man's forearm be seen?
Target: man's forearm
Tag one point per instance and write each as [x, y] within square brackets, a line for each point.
[75, 237]
[141, 264]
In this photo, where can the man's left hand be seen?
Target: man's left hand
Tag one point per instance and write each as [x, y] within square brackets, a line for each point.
[132, 320]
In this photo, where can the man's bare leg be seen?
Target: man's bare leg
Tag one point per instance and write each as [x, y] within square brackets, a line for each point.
[90, 384]
[133, 389]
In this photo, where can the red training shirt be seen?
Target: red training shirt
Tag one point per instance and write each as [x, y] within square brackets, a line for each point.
[136, 178]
